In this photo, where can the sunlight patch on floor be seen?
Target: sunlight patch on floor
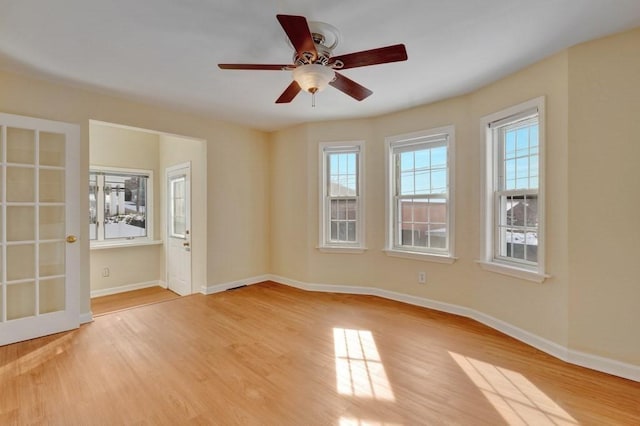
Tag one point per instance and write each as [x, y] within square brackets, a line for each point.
[517, 400]
[359, 369]
[34, 359]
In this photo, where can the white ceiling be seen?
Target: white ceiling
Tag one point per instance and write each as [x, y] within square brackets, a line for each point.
[167, 51]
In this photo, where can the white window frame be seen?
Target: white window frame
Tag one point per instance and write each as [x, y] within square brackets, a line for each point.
[491, 191]
[324, 242]
[436, 135]
[100, 242]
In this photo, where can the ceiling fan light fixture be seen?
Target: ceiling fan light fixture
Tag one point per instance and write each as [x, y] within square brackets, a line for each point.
[313, 78]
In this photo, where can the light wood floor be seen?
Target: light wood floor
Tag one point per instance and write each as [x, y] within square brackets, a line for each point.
[130, 299]
[272, 355]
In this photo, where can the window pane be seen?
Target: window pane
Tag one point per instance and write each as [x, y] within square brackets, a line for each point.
[178, 207]
[520, 156]
[406, 183]
[518, 227]
[423, 223]
[343, 174]
[406, 161]
[439, 157]
[439, 182]
[422, 173]
[20, 145]
[343, 220]
[125, 206]
[422, 159]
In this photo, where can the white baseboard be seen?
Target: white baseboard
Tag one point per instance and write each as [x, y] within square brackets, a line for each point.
[123, 288]
[217, 288]
[594, 362]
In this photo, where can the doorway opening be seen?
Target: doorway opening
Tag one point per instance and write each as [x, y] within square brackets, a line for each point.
[137, 206]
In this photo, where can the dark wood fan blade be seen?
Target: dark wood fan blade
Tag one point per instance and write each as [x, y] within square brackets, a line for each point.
[255, 67]
[382, 55]
[297, 30]
[289, 93]
[350, 87]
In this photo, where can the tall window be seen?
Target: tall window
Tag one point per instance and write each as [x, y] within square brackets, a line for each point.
[340, 188]
[119, 200]
[420, 207]
[514, 212]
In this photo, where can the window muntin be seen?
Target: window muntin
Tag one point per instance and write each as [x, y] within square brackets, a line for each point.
[420, 210]
[341, 210]
[118, 203]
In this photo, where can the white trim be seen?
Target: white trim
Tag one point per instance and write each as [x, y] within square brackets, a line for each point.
[341, 146]
[488, 183]
[121, 243]
[124, 288]
[448, 132]
[149, 205]
[86, 317]
[217, 288]
[594, 362]
[512, 271]
[343, 250]
[427, 257]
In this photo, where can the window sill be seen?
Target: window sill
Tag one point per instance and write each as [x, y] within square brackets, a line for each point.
[344, 250]
[102, 245]
[429, 257]
[513, 271]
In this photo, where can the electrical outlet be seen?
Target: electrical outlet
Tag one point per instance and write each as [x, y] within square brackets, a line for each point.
[105, 272]
[422, 277]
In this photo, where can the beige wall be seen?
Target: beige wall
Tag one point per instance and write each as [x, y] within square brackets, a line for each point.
[538, 308]
[590, 302]
[111, 146]
[604, 195]
[236, 178]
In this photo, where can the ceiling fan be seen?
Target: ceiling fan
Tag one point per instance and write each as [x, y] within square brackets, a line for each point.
[313, 66]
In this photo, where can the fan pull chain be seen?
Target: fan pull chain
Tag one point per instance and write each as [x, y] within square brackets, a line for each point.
[313, 100]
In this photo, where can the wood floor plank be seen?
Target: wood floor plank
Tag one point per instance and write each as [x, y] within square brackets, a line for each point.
[272, 355]
[130, 299]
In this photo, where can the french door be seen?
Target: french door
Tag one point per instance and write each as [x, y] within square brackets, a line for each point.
[39, 225]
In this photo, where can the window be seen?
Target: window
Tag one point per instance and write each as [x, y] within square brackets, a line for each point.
[119, 200]
[341, 205]
[514, 208]
[419, 201]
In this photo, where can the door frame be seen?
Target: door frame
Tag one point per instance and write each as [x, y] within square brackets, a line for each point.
[167, 208]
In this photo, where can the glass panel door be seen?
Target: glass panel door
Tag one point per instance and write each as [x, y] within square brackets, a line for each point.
[39, 264]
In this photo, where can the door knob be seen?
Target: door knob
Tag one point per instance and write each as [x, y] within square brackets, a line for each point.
[72, 239]
[185, 244]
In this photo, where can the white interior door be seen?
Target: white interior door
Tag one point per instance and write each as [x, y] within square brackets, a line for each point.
[179, 228]
[39, 224]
